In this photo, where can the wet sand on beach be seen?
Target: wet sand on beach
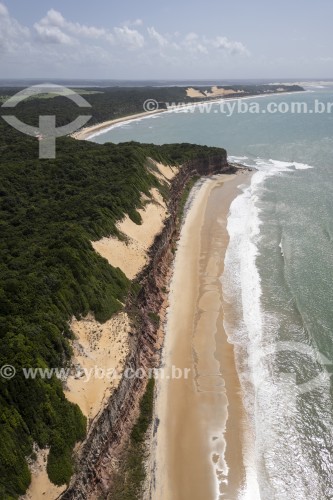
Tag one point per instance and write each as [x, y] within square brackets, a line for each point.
[198, 449]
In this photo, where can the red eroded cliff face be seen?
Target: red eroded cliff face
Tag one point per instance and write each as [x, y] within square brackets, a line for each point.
[110, 430]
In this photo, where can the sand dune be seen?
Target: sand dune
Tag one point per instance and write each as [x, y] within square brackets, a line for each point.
[41, 487]
[131, 255]
[214, 92]
[97, 348]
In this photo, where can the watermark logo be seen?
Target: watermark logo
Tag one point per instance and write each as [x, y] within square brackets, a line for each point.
[150, 105]
[8, 372]
[47, 132]
[242, 106]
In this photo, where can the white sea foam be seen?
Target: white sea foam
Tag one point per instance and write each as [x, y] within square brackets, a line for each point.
[241, 286]
[124, 124]
[301, 166]
[237, 159]
[270, 167]
[270, 432]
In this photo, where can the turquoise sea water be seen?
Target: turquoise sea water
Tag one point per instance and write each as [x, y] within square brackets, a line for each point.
[278, 273]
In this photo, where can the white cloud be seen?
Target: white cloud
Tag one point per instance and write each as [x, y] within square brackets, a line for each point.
[3, 10]
[52, 34]
[53, 18]
[54, 26]
[157, 37]
[48, 47]
[221, 42]
[202, 45]
[11, 31]
[87, 31]
[129, 38]
[193, 43]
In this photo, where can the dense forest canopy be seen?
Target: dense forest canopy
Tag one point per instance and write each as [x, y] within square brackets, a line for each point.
[50, 211]
[115, 102]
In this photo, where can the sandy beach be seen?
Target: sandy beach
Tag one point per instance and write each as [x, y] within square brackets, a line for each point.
[198, 444]
[86, 132]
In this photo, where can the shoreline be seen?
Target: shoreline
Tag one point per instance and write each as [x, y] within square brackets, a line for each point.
[208, 405]
[88, 133]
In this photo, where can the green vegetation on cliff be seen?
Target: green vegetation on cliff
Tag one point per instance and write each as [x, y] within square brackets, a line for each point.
[128, 481]
[50, 210]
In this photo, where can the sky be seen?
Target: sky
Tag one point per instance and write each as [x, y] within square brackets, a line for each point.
[175, 39]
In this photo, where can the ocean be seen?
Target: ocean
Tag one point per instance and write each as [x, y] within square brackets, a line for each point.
[278, 276]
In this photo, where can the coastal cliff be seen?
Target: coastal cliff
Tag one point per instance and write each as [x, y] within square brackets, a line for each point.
[109, 432]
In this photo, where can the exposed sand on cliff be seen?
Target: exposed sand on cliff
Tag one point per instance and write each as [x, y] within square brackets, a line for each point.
[163, 172]
[41, 487]
[194, 93]
[132, 255]
[198, 451]
[99, 349]
[214, 92]
[100, 352]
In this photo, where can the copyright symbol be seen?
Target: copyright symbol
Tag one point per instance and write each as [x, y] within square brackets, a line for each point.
[7, 372]
[150, 105]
